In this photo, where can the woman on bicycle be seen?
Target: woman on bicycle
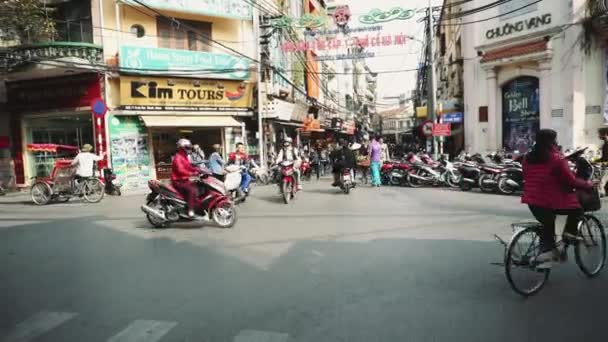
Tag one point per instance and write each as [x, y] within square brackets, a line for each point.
[549, 191]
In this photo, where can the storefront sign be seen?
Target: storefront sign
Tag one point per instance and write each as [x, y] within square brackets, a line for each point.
[452, 117]
[129, 150]
[327, 44]
[519, 26]
[520, 113]
[175, 94]
[442, 130]
[151, 60]
[345, 30]
[376, 16]
[340, 56]
[54, 93]
[235, 9]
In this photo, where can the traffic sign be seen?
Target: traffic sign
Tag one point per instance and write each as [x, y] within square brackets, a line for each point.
[99, 107]
[427, 128]
[452, 117]
[442, 130]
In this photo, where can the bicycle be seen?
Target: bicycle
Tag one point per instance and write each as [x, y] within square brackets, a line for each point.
[516, 258]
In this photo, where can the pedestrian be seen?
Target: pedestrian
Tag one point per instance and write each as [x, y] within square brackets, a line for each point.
[375, 156]
[216, 162]
[315, 161]
[197, 156]
[385, 156]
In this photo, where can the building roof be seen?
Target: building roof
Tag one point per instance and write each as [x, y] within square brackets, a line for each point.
[515, 50]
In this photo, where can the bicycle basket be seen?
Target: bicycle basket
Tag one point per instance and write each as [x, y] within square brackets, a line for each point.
[589, 199]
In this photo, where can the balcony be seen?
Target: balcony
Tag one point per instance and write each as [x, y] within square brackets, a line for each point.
[51, 54]
[598, 12]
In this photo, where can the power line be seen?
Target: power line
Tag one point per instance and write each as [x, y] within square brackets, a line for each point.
[494, 17]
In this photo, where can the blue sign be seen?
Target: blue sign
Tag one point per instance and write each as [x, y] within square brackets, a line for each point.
[98, 107]
[452, 117]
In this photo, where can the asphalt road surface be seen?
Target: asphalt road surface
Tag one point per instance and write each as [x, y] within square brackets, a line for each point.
[387, 264]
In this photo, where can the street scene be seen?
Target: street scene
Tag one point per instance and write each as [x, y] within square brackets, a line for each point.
[303, 170]
[388, 264]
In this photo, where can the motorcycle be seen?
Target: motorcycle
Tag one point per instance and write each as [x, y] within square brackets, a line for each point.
[111, 186]
[511, 179]
[422, 174]
[165, 205]
[288, 184]
[232, 182]
[394, 173]
[488, 180]
[450, 173]
[306, 169]
[346, 181]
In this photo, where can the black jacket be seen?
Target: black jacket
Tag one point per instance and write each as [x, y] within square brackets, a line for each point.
[605, 151]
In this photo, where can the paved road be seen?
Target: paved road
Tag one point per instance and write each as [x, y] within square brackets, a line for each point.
[388, 264]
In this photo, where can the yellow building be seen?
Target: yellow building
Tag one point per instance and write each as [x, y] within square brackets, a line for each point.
[181, 69]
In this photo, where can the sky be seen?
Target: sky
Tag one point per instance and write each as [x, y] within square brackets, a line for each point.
[394, 58]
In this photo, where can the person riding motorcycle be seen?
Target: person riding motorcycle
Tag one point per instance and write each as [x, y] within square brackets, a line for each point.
[240, 158]
[290, 153]
[342, 158]
[181, 171]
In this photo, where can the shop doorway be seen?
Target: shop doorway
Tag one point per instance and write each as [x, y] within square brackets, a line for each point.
[520, 113]
[73, 130]
[164, 140]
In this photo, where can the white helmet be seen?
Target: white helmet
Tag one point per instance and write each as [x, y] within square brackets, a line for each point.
[288, 140]
[184, 143]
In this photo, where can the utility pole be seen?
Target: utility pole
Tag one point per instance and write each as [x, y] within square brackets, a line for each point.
[256, 34]
[430, 103]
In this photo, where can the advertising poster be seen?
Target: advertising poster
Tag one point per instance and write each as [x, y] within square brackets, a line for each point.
[130, 153]
[520, 113]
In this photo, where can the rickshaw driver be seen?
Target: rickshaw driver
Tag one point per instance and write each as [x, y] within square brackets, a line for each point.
[84, 162]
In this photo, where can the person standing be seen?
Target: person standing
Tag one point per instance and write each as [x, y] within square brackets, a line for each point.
[216, 162]
[315, 160]
[385, 156]
[85, 161]
[374, 153]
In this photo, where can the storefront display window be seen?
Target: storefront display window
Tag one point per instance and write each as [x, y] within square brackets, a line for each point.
[73, 130]
[129, 151]
[520, 113]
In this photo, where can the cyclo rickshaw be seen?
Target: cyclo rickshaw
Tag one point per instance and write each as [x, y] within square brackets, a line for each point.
[60, 184]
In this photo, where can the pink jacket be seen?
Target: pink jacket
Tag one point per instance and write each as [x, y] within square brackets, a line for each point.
[551, 184]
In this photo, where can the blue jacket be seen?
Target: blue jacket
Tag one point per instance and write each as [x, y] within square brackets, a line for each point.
[216, 163]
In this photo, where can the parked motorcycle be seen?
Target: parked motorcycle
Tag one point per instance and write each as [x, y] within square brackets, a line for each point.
[165, 205]
[394, 173]
[111, 186]
[488, 180]
[511, 180]
[288, 184]
[421, 175]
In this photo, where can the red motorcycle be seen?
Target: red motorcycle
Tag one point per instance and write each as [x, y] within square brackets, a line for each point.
[394, 173]
[165, 205]
[288, 181]
[306, 169]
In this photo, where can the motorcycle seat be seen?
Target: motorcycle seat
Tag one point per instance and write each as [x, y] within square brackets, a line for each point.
[169, 189]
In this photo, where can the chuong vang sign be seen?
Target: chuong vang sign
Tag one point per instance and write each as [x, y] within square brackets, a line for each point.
[519, 26]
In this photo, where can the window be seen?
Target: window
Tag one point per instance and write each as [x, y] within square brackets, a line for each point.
[193, 35]
[138, 30]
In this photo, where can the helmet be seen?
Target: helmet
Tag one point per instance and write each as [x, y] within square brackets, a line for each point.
[184, 143]
[287, 140]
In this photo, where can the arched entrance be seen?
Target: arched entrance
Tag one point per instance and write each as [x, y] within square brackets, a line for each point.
[520, 113]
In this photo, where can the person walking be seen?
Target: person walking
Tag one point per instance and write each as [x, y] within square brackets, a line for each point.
[374, 153]
[216, 162]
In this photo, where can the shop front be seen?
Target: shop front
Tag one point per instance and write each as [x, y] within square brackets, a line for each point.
[51, 111]
[164, 110]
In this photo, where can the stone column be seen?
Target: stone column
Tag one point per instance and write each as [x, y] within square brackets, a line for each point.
[544, 68]
[493, 124]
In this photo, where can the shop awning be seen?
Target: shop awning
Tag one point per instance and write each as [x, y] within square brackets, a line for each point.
[190, 121]
[288, 123]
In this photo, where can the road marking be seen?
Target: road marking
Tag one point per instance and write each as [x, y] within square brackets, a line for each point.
[143, 331]
[260, 336]
[37, 325]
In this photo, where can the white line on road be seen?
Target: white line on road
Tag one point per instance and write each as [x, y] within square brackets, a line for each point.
[143, 331]
[37, 325]
[260, 336]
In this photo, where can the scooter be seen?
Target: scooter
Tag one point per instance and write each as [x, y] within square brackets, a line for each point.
[232, 182]
[346, 181]
[111, 186]
[165, 205]
[306, 169]
[287, 184]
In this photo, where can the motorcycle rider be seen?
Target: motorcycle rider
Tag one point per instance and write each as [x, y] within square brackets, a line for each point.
[342, 157]
[240, 158]
[290, 153]
[181, 171]
[197, 156]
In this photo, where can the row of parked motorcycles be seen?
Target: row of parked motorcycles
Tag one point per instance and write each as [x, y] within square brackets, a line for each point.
[496, 172]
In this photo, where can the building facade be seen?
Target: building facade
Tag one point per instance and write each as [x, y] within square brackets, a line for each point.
[528, 69]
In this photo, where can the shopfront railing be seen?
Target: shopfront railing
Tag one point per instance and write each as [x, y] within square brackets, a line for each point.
[47, 53]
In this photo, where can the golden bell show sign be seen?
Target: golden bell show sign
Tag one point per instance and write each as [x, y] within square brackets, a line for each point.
[175, 94]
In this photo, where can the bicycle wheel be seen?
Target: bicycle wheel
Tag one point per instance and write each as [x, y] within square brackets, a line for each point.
[93, 190]
[520, 268]
[591, 252]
